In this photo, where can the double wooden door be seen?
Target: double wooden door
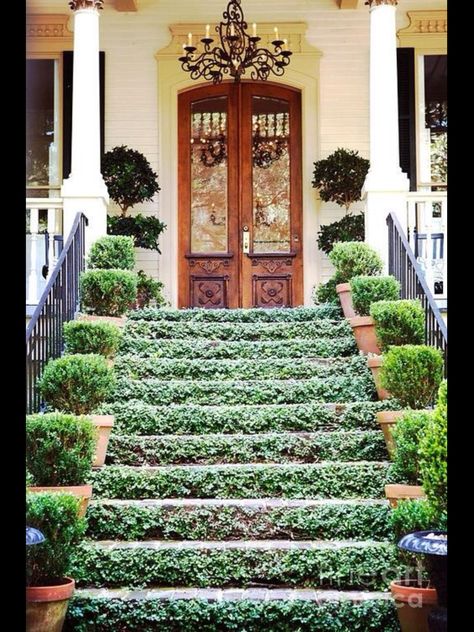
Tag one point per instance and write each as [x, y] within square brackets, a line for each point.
[240, 196]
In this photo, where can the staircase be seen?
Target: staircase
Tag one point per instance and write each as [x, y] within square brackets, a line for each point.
[245, 478]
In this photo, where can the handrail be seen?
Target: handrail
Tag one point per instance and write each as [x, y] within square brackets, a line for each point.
[404, 267]
[58, 304]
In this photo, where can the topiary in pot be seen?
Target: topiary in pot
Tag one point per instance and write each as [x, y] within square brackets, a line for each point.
[340, 177]
[145, 230]
[112, 252]
[149, 291]
[47, 563]
[349, 228]
[370, 289]
[129, 177]
[398, 322]
[91, 337]
[107, 292]
[353, 258]
[76, 383]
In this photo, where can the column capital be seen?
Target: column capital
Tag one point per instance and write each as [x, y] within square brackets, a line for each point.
[377, 3]
[75, 5]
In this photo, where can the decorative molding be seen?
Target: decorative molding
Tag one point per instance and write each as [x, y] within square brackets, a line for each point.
[272, 265]
[48, 33]
[378, 3]
[348, 4]
[75, 5]
[294, 32]
[126, 5]
[427, 29]
[209, 265]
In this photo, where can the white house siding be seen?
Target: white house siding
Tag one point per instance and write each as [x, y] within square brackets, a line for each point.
[130, 41]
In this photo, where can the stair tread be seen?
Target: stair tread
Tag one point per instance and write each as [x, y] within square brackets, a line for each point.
[263, 503]
[281, 545]
[158, 468]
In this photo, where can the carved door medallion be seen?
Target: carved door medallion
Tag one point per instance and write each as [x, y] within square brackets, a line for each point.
[240, 196]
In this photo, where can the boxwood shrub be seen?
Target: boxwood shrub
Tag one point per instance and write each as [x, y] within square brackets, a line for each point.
[407, 434]
[108, 292]
[91, 337]
[354, 258]
[412, 374]
[414, 515]
[112, 252]
[59, 449]
[398, 322]
[369, 289]
[76, 383]
[56, 516]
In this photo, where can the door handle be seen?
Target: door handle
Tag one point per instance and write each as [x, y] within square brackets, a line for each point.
[245, 240]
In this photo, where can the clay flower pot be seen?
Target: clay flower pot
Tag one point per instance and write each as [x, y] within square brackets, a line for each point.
[394, 493]
[82, 491]
[375, 363]
[104, 424]
[345, 297]
[46, 606]
[387, 420]
[413, 604]
[364, 332]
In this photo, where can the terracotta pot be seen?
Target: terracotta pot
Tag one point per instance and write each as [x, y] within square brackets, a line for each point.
[413, 605]
[104, 423]
[46, 606]
[364, 332]
[387, 420]
[375, 364]
[345, 297]
[82, 491]
[394, 493]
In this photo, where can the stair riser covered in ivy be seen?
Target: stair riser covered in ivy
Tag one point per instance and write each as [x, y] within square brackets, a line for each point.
[299, 314]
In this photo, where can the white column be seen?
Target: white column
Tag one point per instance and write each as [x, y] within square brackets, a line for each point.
[85, 189]
[386, 185]
[32, 298]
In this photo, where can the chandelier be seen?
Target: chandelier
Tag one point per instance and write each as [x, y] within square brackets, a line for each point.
[237, 52]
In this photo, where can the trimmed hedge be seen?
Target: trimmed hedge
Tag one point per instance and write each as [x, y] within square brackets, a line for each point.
[182, 615]
[354, 258]
[276, 448]
[398, 322]
[137, 367]
[369, 289]
[206, 349]
[107, 292]
[252, 315]
[91, 337]
[138, 417]
[333, 389]
[238, 331]
[341, 520]
[112, 252]
[324, 480]
[407, 434]
[348, 566]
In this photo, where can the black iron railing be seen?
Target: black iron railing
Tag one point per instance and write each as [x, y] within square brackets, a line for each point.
[58, 304]
[403, 266]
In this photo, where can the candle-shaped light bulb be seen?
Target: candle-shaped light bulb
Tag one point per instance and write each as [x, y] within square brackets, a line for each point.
[254, 26]
[276, 33]
[232, 30]
[190, 39]
[285, 44]
[208, 28]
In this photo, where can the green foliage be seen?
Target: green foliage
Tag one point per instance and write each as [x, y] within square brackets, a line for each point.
[238, 331]
[412, 374]
[344, 345]
[369, 289]
[349, 228]
[149, 291]
[398, 322]
[55, 515]
[165, 392]
[76, 383]
[272, 448]
[326, 293]
[321, 480]
[252, 315]
[189, 615]
[338, 520]
[59, 449]
[112, 253]
[144, 229]
[108, 292]
[136, 366]
[129, 177]
[407, 434]
[414, 515]
[136, 417]
[91, 337]
[324, 567]
[340, 177]
[353, 258]
[434, 455]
